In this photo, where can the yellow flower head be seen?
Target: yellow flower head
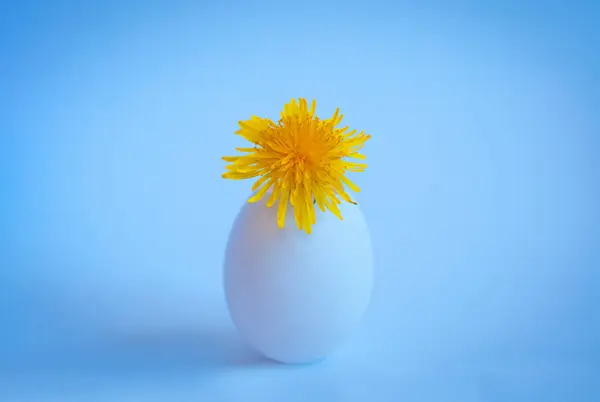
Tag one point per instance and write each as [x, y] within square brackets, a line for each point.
[301, 159]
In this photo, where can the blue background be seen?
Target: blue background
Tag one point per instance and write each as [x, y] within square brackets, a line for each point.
[482, 194]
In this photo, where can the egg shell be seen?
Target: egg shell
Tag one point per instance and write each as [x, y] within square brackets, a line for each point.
[293, 296]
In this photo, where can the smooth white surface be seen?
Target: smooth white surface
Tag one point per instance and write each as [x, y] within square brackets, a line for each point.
[293, 296]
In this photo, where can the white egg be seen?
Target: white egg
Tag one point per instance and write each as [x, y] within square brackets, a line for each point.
[292, 296]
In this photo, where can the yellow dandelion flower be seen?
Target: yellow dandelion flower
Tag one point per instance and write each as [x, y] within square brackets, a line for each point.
[301, 160]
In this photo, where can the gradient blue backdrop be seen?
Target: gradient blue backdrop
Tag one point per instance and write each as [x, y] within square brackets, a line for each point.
[482, 195]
